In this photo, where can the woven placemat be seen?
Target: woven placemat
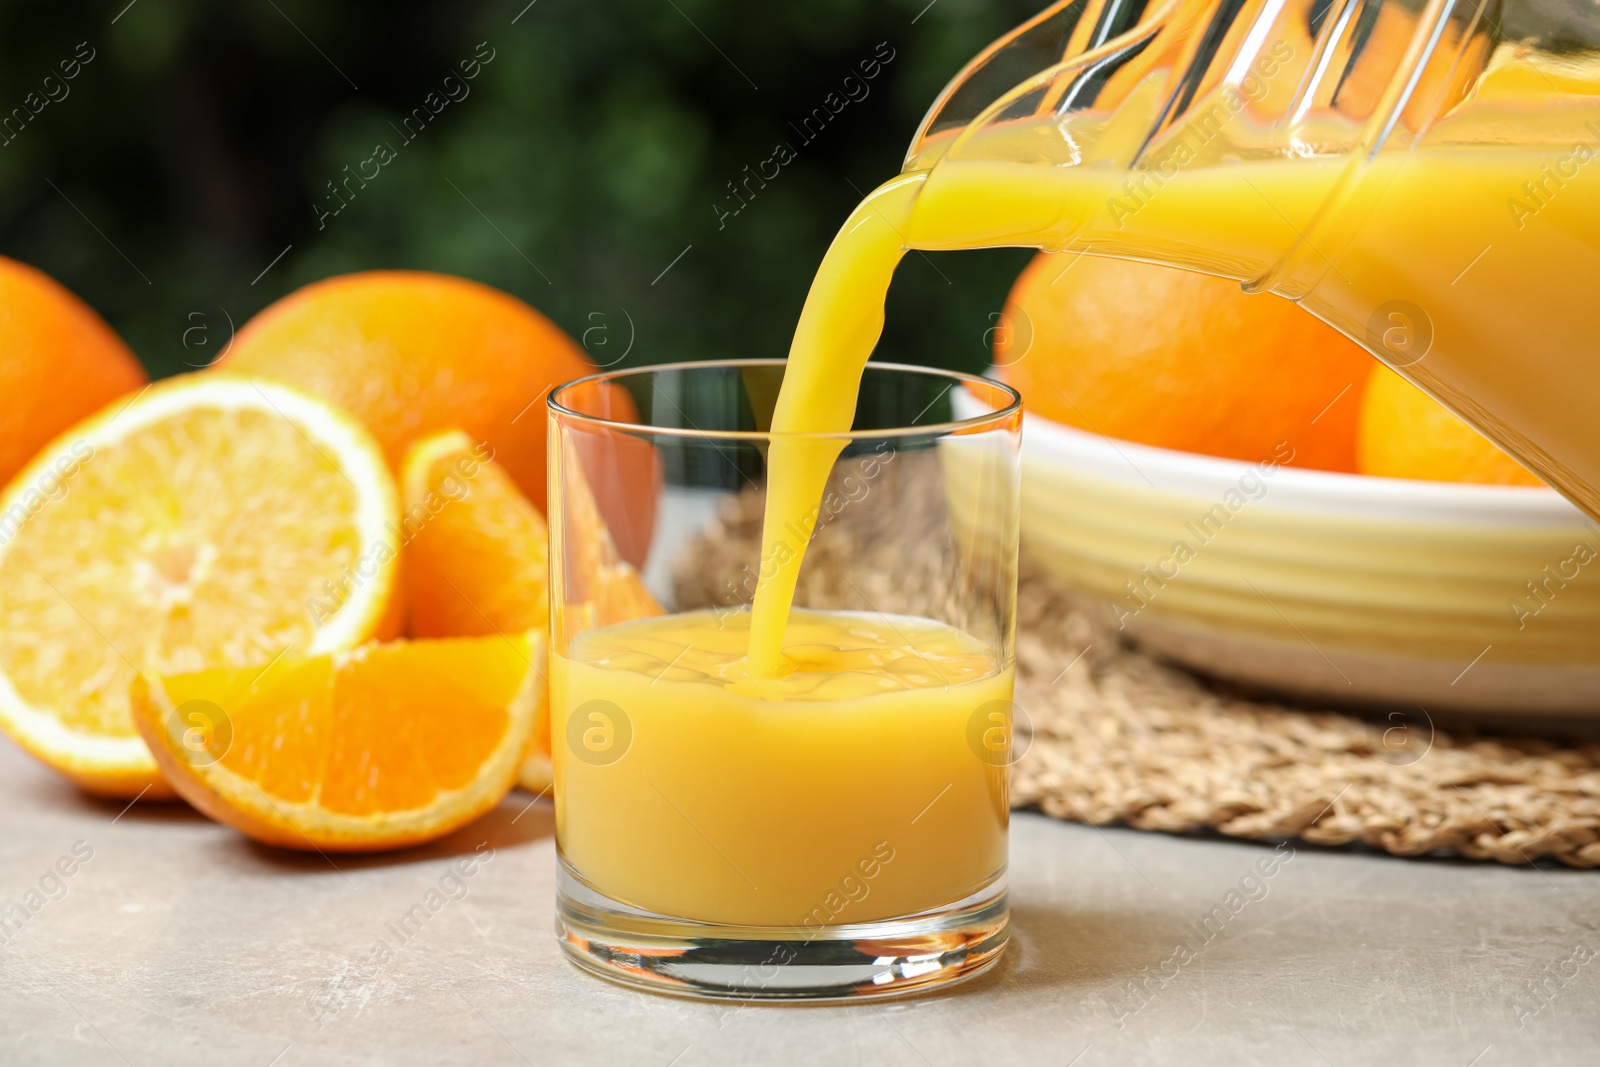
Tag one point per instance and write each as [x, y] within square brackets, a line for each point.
[1121, 737]
[1116, 736]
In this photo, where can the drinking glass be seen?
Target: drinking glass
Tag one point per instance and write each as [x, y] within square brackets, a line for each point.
[838, 830]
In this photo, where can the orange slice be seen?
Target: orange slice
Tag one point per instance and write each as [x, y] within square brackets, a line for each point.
[476, 558]
[209, 522]
[603, 588]
[475, 547]
[384, 746]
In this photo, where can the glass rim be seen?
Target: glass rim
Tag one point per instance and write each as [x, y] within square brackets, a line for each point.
[977, 423]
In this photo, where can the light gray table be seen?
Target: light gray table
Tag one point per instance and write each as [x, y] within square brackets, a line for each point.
[180, 942]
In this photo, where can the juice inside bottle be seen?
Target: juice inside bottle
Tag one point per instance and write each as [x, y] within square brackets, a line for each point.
[1472, 286]
[1421, 175]
[1438, 201]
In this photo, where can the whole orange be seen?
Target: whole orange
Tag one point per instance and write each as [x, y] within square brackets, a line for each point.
[1405, 433]
[412, 353]
[59, 363]
[1182, 360]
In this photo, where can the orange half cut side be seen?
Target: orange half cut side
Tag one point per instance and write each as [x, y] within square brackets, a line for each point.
[205, 523]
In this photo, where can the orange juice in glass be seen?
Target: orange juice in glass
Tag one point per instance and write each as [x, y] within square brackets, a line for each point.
[828, 823]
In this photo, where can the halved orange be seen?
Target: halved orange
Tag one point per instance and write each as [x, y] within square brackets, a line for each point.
[381, 747]
[208, 522]
[476, 558]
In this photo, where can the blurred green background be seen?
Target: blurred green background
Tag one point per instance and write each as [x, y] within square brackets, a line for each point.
[595, 146]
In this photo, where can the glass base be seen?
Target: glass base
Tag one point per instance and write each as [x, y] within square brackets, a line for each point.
[686, 958]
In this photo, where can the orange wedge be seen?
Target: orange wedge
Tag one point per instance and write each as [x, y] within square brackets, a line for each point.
[208, 522]
[475, 547]
[381, 747]
[476, 558]
[604, 589]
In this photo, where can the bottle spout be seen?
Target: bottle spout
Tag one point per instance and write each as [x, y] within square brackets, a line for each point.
[1119, 82]
[1406, 169]
[1048, 64]
[1132, 96]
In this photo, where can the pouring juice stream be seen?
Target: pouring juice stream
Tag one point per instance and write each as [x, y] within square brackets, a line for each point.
[1487, 256]
[1484, 253]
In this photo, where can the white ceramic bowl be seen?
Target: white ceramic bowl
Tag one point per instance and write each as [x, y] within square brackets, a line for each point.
[1331, 587]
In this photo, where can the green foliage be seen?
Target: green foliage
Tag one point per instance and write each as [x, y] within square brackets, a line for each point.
[589, 152]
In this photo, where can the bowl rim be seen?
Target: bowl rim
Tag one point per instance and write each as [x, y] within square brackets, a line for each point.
[1329, 493]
